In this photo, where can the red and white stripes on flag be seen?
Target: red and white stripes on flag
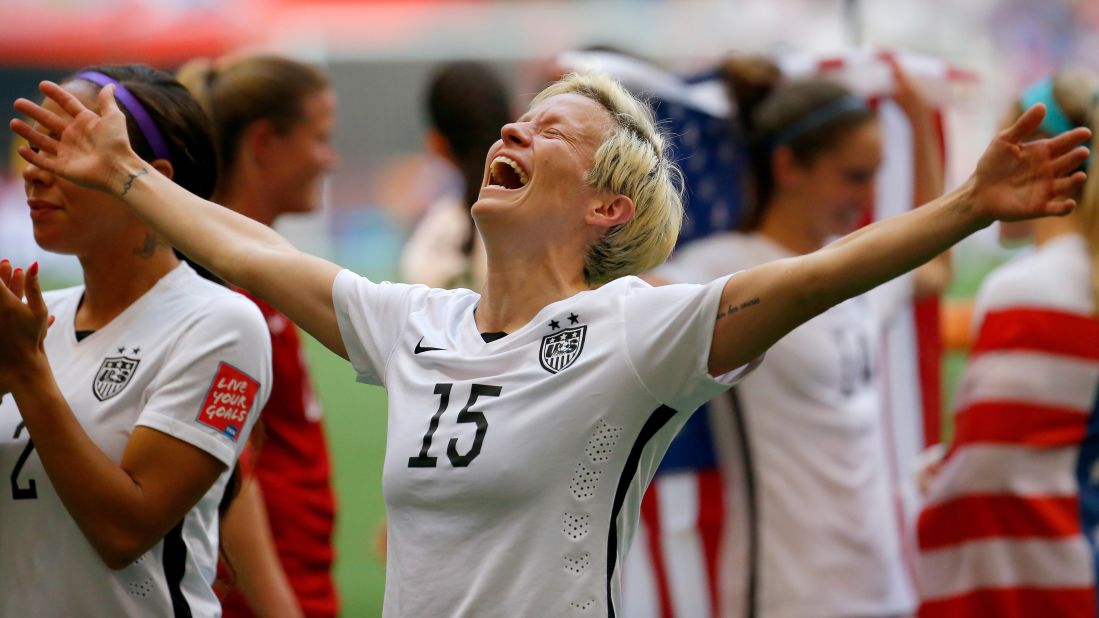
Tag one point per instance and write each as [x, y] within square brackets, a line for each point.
[673, 567]
[1001, 533]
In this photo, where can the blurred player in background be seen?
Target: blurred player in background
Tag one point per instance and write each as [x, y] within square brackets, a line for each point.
[121, 424]
[273, 119]
[1009, 525]
[467, 103]
[575, 375]
[812, 527]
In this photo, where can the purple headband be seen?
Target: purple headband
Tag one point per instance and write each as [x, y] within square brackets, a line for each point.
[137, 112]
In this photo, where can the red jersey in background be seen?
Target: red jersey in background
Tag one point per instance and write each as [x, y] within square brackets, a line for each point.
[291, 464]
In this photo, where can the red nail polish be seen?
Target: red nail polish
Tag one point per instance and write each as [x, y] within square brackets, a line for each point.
[33, 270]
[3, 261]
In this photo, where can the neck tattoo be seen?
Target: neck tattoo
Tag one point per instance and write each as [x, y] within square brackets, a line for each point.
[147, 248]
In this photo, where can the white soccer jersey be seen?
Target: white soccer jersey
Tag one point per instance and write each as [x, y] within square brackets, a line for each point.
[189, 358]
[514, 469]
[812, 527]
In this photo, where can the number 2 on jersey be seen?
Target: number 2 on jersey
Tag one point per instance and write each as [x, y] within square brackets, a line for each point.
[458, 460]
[30, 492]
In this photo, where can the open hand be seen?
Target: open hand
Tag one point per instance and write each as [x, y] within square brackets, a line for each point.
[1016, 180]
[81, 145]
[23, 325]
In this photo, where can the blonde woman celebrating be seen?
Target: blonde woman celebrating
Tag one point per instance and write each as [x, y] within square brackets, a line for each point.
[526, 421]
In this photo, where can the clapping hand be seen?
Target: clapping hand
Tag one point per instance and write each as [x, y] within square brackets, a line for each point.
[23, 324]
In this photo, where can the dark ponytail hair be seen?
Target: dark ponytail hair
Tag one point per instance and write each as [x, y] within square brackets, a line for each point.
[468, 104]
[182, 123]
[766, 107]
[187, 133]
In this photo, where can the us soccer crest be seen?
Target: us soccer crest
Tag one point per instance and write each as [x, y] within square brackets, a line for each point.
[561, 349]
[113, 376]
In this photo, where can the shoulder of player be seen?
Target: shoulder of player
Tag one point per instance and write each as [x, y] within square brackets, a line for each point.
[56, 297]
[1046, 277]
[420, 295]
[719, 254]
[203, 302]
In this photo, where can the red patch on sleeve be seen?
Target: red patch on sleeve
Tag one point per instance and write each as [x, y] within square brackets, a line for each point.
[232, 393]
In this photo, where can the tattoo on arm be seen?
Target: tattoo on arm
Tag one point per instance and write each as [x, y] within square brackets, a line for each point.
[130, 181]
[731, 309]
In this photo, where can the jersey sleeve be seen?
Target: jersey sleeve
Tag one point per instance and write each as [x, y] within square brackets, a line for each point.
[371, 317]
[669, 331]
[215, 381]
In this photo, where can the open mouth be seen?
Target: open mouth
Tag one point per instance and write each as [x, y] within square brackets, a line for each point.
[506, 173]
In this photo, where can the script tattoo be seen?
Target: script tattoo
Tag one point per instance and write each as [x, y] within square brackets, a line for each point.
[130, 182]
[731, 309]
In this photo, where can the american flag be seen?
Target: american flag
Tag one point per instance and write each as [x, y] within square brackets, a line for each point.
[1011, 519]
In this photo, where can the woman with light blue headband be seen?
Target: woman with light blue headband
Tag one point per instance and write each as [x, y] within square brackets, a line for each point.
[811, 526]
[1010, 514]
[121, 424]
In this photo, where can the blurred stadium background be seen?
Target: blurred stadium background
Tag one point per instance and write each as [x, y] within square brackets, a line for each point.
[379, 55]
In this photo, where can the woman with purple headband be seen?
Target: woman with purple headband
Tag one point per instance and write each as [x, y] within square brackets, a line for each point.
[120, 424]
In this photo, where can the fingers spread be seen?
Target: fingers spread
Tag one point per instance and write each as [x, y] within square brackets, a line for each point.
[37, 139]
[41, 115]
[1069, 185]
[1025, 124]
[1068, 140]
[107, 101]
[1069, 161]
[36, 159]
[64, 99]
[1060, 207]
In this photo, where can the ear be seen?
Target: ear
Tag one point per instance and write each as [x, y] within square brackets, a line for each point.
[784, 167]
[436, 145]
[258, 142]
[164, 167]
[613, 210]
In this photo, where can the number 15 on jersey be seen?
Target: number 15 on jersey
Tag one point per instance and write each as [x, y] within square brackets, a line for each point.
[466, 415]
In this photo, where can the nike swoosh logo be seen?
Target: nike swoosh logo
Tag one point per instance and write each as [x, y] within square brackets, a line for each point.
[421, 348]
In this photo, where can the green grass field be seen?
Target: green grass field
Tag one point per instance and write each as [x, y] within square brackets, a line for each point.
[355, 424]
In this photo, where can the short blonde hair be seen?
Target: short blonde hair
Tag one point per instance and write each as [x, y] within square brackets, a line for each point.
[632, 161]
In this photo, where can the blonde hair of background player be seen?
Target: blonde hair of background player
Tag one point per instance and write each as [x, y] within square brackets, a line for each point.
[1077, 92]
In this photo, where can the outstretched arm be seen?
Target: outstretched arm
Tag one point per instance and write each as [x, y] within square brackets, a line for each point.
[92, 149]
[1013, 181]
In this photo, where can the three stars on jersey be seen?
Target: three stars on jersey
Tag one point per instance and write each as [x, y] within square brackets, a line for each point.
[114, 374]
[561, 348]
